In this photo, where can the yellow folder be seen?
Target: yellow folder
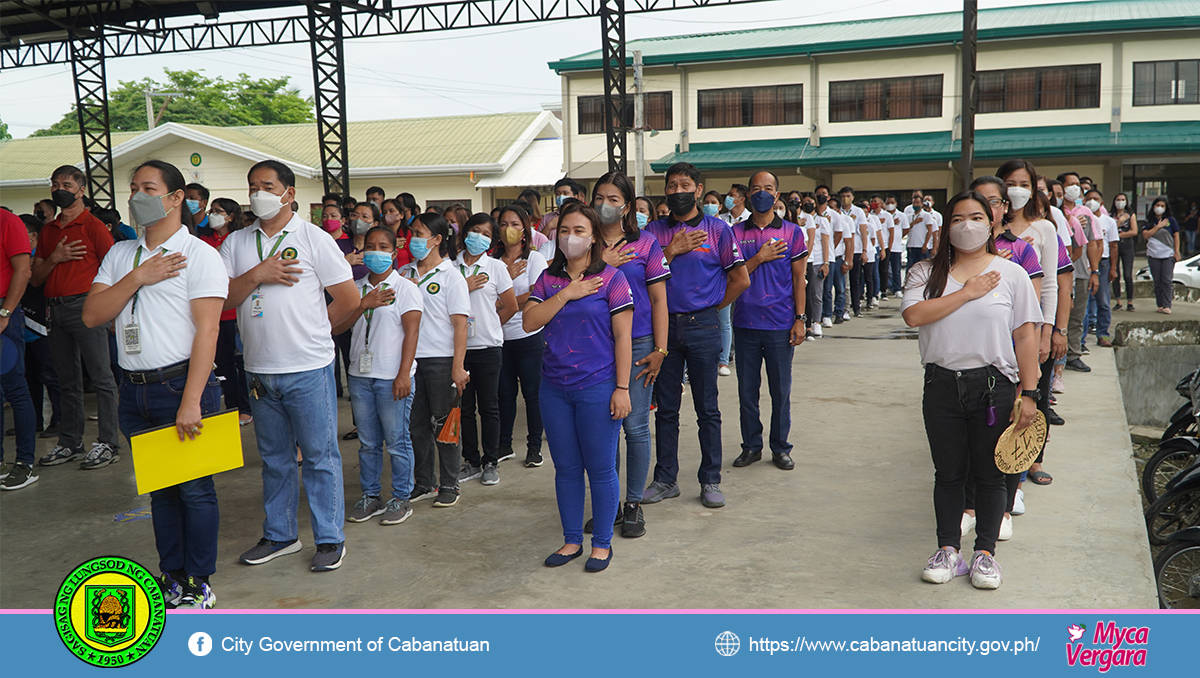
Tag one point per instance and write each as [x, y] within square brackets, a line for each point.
[161, 460]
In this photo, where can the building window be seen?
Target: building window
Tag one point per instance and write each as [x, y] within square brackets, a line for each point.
[886, 99]
[1157, 83]
[1039, 89]
[658, 112]
[751, 106]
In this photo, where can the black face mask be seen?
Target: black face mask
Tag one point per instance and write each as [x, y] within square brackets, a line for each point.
[794, 203]
[682, 203]
[63, 198]
[822, 199]
[40, 215]
[809, 207]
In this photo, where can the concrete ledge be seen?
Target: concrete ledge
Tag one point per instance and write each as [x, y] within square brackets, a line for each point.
[1144, 289]
[1151, 357]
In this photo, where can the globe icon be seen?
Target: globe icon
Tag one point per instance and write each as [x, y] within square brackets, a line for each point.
[728, 644]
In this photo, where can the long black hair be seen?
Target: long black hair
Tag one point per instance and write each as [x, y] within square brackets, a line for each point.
[437, 225]
[526, 220]
[558, 267]
[1030, 210]
[475, 220]
[1151, 217]
[622, 183]
[943, 259]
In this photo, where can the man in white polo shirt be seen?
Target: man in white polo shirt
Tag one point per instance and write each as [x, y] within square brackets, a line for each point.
[279, 270]
[899, 229]
[165, 291]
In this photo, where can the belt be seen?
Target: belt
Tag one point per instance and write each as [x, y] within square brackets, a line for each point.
[988, 370]
[161, 374]
[58, 301]
[698, 311]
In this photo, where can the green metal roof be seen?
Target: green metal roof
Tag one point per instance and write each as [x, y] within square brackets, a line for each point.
[997, 144]
[1050, 19]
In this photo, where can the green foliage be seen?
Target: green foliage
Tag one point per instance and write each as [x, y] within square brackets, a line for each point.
[205, 101]
[4, 131]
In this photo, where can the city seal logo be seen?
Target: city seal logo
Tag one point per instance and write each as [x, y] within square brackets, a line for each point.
[289, 253]
[434, 288]
[109, 611]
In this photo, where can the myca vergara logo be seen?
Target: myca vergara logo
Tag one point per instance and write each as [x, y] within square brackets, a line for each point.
[109, 611]
[1111, 646]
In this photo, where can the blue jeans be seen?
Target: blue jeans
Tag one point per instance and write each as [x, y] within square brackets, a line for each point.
[774, 347]
[1098, 309]
[839, 286]
[694, 340]
[583, 436]
[726, 334]
[827, 293]
[381, 419]
[894, 264]
[521, 366]
[300, 408]
[185, 516]
[16, 390]
[873, 277]
[914, 255]
[637, 424]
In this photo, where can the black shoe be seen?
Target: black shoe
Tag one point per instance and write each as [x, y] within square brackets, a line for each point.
[1053, 419]
[597, 565]
[352, 435]
[619, 520]
[634, 523]
[838, 320]
[51, 431]
[533, 459]
[784, 461]
[747, 457]
[1077, 365]
[557, 559]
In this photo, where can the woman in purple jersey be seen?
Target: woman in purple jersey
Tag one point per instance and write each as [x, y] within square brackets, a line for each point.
[586, 308]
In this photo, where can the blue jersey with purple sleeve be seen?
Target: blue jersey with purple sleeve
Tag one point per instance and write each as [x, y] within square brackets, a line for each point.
[1023, 253]
[579, 338]
[648, 266]
[1064, 259]
[698, 277]
[769, 304]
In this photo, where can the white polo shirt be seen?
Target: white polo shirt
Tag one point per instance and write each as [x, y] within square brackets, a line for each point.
[811, 224]
[293, 332]
[836, 225]
[164, 312]
[899, 224]
[386, 335]
[443, 294]
[731, 220]
[1108, 228]
[534, 266]
[483, 325]
[921, 225]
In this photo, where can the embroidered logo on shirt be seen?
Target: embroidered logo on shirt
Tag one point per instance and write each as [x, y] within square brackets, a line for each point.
[289, 253]
[433, 288]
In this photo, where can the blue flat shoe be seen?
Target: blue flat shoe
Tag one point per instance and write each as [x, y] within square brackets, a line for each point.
[559, 559]
[597, 565]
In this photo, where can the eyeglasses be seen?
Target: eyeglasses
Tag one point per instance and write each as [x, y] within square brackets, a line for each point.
[996, 202]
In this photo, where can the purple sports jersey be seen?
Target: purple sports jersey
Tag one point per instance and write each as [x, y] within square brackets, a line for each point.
[769, 304]
[1022, 253]
[1064, 259]
[648, 266]
[698, 277]
[579, 338]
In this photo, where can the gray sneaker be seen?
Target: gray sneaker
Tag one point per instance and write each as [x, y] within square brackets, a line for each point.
[101, 455]
[657, 491]
[398, 511]
[469, 472]
[266, 551]
[491, 475]
[710, 496]
[19, 475]
[367, 508]
[328, 557]
[60, 455]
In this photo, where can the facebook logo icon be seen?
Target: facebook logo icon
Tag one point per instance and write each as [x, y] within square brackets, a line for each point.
[200, 643]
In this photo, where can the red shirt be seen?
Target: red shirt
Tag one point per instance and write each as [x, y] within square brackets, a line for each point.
[215, 240]
[74, 277]
[14, 241]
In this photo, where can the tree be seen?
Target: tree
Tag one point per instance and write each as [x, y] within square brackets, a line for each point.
[4, 131]
[205, 101]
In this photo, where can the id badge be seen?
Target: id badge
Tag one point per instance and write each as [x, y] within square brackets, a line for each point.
[256, 306]
[132, 335]
[470, 327]
[365, 359]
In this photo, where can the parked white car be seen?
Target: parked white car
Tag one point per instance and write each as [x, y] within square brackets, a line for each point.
[1187, 272]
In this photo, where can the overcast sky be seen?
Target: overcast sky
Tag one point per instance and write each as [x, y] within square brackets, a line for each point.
[489, 70]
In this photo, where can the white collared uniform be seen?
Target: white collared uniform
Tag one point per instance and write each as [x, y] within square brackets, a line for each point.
[292, 334]
[164, 312]
[836, 225]
[1108, 228]
[534, 266]
[443, 294]
[386, 329]
[899, 223]
[731, 220]
[483, 325]
[874, 227]
[817, 225]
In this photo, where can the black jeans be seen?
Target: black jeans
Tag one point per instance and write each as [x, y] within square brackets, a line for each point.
[40, 376]
[341, 344]
[1125, 261]
[483, 390]
[232, 368]
[522, 367]
[856, 284]
[433, 398]
[961, 444]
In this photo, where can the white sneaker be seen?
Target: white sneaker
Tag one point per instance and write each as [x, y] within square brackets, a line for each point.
[968, 523]
[846, 315]
[724, 371]
[1019, 503]
[899, 295]
[1057, 385]
[827, 322]
[1005, 529]
[816, 329]
[944, 565]
[985, 571]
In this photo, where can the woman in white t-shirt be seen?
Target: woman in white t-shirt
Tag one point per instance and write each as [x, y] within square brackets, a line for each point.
[522, 351]
[492, 305]
[978, 315]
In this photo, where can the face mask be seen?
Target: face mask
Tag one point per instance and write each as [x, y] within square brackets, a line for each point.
[891, 207]
[216, 221]
[1160, 210]
[1072, 192]
[780, 213]
[146, 209]
[512, 236]
[377, 262]
[929, 203]
[642, 220]
[419, 247]
[729, 202]
[809, 207]
[710, 209]
[375, 203]
[681, 203]
[477, 243]
[265, 204]
[360, 227]
[574, 246]
[391, 219]
[795, 204]
[1058, 202]
[63, 197]
[969, 236]
[1092, 205]
[559, 200]
[609, 214]
[332, 225]
[1019, 197]
[762, 202]
[193, 206]
[822, 198]
[1119, 204]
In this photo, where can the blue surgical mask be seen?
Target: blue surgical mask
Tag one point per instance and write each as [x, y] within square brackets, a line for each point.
[710, 209]
[193, 206]
[559, 200]
[762, 202]
[419, 247]
[729, 202]
[377, 262]
[477, 243]
[642, 220]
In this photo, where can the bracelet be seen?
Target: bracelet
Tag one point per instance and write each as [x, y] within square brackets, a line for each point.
[661, 350]
[623, 388]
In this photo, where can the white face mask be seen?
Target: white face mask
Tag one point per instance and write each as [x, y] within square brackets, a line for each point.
[1019, 197]
[265, 204]
[1073, 192]
[1119, 204]
[969, 236]
[1160, 210]
[891, 207]
[1092, 205]
[216, 221]
[780, 213]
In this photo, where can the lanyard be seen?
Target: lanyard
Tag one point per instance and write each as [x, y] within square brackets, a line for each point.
[258, 235]
[463, 269]
[137, 261]
[369, 313]
[422, 281]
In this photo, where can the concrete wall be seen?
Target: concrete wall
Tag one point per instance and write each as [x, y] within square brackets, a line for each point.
[1151, 359]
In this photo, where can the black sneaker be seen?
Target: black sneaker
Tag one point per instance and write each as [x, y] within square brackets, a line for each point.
[172, 590]
[50, 431]
[634, 522]
[506, 453]
[328, 557]
[197, 595]
[266, 551]
[60, 455]
[420, 493]
[618, 520]
[446, 497]
[19, 475]
[533, 459]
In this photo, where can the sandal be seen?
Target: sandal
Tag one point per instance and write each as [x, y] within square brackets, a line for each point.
[1040, 477]
[352, 435]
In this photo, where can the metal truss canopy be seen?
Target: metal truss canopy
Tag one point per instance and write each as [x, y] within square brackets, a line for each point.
[329, 77]
[91, 109]
[612, 29]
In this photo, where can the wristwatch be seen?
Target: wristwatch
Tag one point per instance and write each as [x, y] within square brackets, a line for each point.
[1061, 330]
[1032, 393]
[661, 350]
[5, 313]
[802, 317]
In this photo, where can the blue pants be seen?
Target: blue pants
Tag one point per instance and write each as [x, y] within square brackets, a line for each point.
[381, 420]
[185, 516]
[522, 366]
[637, 424]
[895, 284]
[753, 348]
[16, 389]
[583, 436]
[835, 293]
[873, 277]
[827, 293]
[914, 255]
[1098, 308]
[694, 342]
[724, 315]
[300, 408]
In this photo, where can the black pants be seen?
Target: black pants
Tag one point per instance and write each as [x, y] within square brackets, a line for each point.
[1125, 261]
[961, 443]
[521, 370]
[856, 284]
[231, 368]
[483, 391]
[341, 343]
[435, 464]
[39, 375]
